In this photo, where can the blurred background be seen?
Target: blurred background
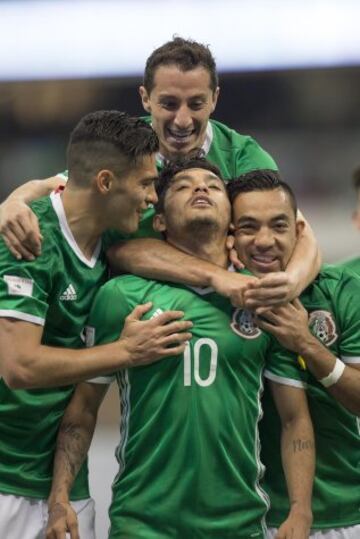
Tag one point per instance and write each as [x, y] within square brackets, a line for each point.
[289, 76]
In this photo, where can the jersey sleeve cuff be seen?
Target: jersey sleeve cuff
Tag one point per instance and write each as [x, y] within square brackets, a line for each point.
[284, 380]
[10, 313]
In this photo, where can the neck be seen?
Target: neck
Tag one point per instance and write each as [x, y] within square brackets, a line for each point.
[207, 245]
[82, 218]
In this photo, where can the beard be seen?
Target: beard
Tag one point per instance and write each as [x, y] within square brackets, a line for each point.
[202, 227]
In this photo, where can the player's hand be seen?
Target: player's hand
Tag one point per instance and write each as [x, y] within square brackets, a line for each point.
[150, 340]
[296, 526]
[62, 520]
[233, 256]
[288, 323]
[20, 229]
[232, 285]
[273, 289]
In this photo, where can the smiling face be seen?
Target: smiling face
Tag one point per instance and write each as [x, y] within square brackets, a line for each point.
[180, 104]
[195, 201]
[130, 196]
[265, 230]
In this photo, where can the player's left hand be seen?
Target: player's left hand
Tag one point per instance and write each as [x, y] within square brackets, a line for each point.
[288, 323]
[62, 521]
[272, 289]
[296, 526]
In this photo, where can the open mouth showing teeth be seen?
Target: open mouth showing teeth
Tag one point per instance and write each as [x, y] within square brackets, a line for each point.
[201, 202]
[264, 259]
[180, 136]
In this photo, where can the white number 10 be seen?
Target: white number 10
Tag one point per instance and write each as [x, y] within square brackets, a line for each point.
[213, 363]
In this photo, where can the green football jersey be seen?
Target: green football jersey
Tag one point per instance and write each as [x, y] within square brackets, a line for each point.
[55, 291]
[333, 303]
[232, 153]
[352, 264]
[189, 450]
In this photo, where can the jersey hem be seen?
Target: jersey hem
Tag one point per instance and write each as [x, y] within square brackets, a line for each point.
[24, 493]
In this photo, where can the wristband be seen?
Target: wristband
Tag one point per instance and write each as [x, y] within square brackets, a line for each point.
[335, 374]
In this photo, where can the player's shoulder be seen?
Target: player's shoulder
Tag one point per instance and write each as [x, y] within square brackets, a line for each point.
[125, 284]
[333, 278]
[223, 134]
[352, 264]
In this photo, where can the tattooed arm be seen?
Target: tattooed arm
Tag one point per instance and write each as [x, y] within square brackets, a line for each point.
[298, 458]
[73, 442]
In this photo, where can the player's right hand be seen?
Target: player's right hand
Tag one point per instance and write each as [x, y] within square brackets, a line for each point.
[20, 230]
[62, 521]
[232, 285]
[150, 340]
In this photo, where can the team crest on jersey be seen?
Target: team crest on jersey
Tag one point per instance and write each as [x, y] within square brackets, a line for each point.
[243, 324]
[323, 326]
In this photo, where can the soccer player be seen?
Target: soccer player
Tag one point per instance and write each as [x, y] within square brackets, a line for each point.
[180, 91]
[326, 336]
[189, 452]
[44, 305]
[354, 263]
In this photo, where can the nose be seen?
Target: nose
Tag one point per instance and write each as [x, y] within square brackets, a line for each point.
[151, 196]
[183, 118]
[201, 187]
[264, 238]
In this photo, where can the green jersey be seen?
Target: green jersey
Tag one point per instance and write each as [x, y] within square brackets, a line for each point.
[334, 317]
[54, 291]
[352, 264]
[189, 452]
[232, 153]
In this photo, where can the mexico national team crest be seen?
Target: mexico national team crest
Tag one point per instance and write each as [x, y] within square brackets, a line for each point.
[322, 325]
[243, 324]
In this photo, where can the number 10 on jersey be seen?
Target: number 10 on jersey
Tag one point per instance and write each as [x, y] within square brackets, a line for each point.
[192, 362]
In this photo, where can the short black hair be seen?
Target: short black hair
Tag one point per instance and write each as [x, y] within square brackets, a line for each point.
[260, 180]
[171, 168]
[356, 178]
[186, 54]
[108, 139]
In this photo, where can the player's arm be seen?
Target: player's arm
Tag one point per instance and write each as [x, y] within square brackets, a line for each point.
[27, 363]
[302, 268]
[289, 324]
[18, 224]
[298, 458]
[73, 442]
[156, 259]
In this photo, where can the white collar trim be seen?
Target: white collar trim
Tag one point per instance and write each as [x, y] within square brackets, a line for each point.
[68, 235]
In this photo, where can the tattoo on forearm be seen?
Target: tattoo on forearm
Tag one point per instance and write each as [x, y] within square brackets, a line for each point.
[302, 445]
[73, 446]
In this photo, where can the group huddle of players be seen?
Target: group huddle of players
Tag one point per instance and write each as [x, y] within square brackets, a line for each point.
[232, 347]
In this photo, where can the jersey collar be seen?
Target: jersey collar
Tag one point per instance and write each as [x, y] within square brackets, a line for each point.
[58, 206]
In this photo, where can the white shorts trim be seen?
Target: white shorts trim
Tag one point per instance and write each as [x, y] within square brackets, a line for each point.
[349, 532]
[26, 518]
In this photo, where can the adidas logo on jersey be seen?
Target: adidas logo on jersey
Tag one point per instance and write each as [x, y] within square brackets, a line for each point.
[69, 294]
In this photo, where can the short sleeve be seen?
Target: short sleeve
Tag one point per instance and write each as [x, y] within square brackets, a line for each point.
[347, 309]
[24, 287]
[283, 367]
